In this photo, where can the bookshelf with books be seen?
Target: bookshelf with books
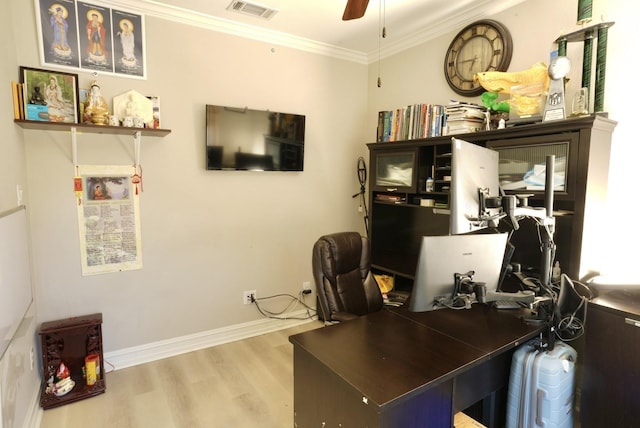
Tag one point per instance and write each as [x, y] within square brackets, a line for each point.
[411, 122]
[410, 180]
[417, 121]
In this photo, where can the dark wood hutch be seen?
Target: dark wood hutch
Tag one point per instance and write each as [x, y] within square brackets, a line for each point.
[397, 219]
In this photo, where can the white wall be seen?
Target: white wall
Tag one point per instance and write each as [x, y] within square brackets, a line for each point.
[12, 161]
[619, 251]
[206, 235]
[416, 75]
[18, 382]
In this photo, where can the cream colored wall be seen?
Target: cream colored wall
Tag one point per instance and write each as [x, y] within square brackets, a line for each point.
[12, 162]
[416, 75]
[18, 382]
[206, 235]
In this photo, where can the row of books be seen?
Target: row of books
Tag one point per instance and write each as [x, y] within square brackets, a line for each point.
[17, 91]
[429, 120]
[411, 122]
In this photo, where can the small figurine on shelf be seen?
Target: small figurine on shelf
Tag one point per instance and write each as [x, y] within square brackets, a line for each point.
[133, 109]
[36, 97]
[96, 110]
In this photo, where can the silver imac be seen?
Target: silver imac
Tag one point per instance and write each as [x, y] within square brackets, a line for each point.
[441, 257]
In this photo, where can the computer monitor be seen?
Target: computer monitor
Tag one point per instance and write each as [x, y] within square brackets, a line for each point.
[472, 167]
[441, 257]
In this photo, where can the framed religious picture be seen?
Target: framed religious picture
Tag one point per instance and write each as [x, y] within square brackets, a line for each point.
[96, 40]
[58, 32]
[50, 96]
[91, 37]
[128, 43]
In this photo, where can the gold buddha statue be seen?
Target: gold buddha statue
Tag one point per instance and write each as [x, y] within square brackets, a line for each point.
[96, 110]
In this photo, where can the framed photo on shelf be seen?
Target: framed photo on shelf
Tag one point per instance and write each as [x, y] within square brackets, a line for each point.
[50, 96]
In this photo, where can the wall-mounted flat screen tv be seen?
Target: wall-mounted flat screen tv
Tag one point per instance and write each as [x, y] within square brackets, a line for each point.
[254, 140]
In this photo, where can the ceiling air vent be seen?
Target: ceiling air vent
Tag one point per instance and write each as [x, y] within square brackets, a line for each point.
[251, 9]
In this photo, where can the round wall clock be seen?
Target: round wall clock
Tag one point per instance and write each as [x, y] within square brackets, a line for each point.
[484, 45]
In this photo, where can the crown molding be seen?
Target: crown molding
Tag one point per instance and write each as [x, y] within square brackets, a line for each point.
[197, 19]
[438, 27]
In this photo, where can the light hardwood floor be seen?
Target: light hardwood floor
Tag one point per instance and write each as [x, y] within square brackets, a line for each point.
[248, 383]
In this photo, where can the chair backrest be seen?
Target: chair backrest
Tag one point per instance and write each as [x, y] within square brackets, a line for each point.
[345, 286]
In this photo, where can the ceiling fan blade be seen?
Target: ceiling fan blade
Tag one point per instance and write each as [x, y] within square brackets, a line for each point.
[355, 9]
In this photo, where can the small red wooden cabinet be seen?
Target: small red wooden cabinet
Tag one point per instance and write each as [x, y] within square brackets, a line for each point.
[70, 341]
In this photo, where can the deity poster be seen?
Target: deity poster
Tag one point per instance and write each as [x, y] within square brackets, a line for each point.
[91, 37]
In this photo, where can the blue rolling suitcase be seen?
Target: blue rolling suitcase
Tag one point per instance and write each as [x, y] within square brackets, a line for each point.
[541, 387]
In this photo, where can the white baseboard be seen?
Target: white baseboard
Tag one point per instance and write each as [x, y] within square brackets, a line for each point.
[179, 345]
[168, 348]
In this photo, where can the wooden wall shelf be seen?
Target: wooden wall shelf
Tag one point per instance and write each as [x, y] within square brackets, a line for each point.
[92, 129]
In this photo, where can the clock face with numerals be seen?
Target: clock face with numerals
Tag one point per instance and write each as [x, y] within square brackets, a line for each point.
[482, 46]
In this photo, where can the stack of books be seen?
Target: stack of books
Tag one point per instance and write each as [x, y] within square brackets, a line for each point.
[411, 122]
[464, 117]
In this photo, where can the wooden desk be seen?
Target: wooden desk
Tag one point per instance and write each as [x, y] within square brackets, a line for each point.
[611, 376]
[495, 332]
[399, 369]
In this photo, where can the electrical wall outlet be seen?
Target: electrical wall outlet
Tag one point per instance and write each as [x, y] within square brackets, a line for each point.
[248, 297]
[19, 194]
[306, 287]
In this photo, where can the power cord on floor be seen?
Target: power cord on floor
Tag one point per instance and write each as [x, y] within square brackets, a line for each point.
[294, 301]
[113, 368]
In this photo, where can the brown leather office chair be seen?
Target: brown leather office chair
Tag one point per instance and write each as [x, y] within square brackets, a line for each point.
[345, 286]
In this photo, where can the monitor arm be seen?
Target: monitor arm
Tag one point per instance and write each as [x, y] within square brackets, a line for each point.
[513, 206]
[517, 207]
[482, 296]
[464, 286]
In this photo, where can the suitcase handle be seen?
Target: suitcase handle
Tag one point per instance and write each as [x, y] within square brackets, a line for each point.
[542, 408]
